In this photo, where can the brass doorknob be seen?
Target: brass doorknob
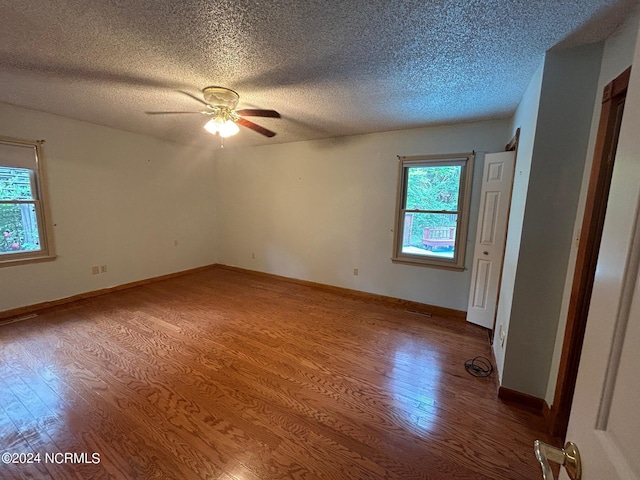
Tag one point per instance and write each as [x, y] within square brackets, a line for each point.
[569, 457]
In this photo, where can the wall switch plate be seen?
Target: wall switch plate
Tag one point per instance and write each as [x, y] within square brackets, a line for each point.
[95, 270]
[355, 271]
[103, 269]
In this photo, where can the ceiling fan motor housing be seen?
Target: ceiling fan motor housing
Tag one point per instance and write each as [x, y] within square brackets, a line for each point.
[221, 97]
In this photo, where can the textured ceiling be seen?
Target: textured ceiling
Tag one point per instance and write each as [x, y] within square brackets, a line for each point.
[331, 68]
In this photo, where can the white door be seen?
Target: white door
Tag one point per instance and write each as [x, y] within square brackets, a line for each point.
[605, 414]
[495, 197]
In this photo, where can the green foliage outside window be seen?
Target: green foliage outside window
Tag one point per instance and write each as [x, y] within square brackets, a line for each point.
[433, 189]
[18, 222]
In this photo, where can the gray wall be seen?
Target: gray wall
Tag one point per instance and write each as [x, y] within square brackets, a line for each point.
[569, 87]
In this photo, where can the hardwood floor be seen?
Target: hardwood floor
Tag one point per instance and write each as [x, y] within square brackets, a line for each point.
[224, 375]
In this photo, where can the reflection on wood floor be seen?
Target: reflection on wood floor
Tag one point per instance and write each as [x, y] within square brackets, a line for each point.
[224, 375]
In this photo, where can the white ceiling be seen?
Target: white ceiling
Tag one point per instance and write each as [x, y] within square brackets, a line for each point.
[331, 68]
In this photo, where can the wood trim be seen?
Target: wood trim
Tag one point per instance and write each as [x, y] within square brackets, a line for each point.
[618, 86]
[588, 247]
[414, 307]
[522, 399]
[29, 309]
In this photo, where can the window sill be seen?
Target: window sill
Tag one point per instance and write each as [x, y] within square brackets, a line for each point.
[11, 262]
[428, 263]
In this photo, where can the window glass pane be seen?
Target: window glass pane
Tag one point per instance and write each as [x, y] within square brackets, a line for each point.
[18, 228]
[429, 234]
[433, 187]
[16, 184]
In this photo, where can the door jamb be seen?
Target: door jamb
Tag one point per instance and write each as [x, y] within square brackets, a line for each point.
[588, 247]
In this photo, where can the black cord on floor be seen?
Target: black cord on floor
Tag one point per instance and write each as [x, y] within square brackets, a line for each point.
[479, 366]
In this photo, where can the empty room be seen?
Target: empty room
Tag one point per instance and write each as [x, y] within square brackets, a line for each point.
[319, 240]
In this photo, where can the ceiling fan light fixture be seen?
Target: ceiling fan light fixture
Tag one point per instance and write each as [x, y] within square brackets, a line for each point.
[228, 129]
[225, 128]
[224, 119]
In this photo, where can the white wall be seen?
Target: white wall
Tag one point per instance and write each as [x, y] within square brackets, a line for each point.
[525, 118]
[617, 57]
[316, 210]
[117, 199]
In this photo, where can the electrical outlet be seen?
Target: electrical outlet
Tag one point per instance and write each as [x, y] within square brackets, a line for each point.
[355, 271]
[103, 269]
[501, 335]
[95, 270]
[253, 255]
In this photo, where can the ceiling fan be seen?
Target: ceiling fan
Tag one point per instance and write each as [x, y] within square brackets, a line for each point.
[220, 103]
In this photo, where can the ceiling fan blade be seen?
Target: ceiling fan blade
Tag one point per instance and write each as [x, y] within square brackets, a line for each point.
[197, 99]
[256, 112]
[170, 113]
[255, 127]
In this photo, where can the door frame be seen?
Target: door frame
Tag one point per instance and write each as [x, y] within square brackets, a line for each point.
[613, 98]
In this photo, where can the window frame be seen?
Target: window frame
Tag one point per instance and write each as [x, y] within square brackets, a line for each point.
[466, 160]
[41, 206]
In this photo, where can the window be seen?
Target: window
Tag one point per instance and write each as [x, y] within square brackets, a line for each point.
[432, 213]
[24, 232]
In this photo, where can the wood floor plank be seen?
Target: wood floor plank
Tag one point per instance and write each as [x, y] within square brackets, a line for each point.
[128, 429]
[139, 414]
[224, 375]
